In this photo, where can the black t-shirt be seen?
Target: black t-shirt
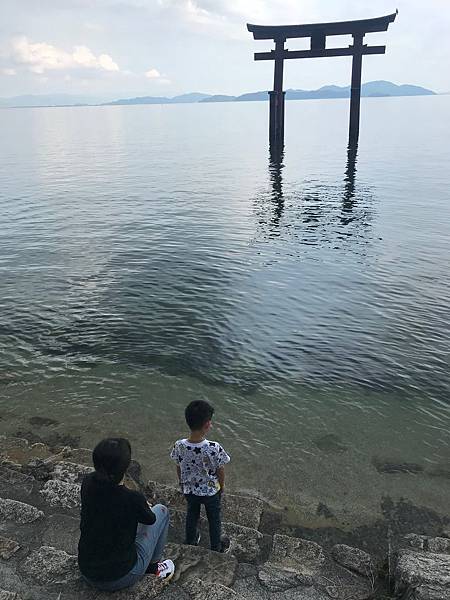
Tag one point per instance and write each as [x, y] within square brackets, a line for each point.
[109, 517]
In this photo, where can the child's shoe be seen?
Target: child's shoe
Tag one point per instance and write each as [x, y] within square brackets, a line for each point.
[164, 569]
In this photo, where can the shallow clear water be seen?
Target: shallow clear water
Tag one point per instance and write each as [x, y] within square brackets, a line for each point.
[150, 255]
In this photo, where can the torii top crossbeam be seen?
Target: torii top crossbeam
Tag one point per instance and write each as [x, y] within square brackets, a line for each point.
[318, 33]
[274, 32]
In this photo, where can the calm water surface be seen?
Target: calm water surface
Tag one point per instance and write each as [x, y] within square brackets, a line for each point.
[151, 255]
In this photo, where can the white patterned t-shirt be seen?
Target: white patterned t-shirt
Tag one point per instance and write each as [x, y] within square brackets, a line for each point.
[199, 464]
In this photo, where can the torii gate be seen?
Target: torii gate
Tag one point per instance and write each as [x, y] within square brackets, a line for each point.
[318, 33]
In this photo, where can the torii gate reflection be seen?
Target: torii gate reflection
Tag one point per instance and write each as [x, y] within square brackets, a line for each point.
[318, 33]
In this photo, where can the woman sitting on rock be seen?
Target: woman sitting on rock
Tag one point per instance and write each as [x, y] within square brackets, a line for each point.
[122, 537]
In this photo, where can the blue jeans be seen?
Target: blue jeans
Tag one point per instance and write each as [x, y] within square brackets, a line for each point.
[150, 543]
[212, 507]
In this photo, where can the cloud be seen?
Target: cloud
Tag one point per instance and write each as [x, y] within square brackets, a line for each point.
[153, 74]
[7, 71]
[156, 76]
[40, 57]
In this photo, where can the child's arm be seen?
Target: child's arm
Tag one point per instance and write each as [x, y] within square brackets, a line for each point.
[179, 475]
[221, 478]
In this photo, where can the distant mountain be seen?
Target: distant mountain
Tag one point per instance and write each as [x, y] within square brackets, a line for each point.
[31, 100]
[191, 98]
[220, 98]
[370, 89]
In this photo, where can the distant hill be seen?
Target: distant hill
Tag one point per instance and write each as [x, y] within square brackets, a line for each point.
[370, 89]
[39, 100]
[191, 98]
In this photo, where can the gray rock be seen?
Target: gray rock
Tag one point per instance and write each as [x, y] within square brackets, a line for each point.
[302, 556]
[199, 563]
[70, 472]
[353, 558]
[8, 548]
[426, 574]
[246, 543]
[199, 590]
[251, 589]
[148, 587]
[440, 545]
[63, 532]
[11, 478]
[4, 595]
[18, 512]
[278, 580]
[61, 493]
[165, 494]
[47, 565]
[81, 456]
[242, 510]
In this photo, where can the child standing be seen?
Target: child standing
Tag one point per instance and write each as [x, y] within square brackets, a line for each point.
[200, 469]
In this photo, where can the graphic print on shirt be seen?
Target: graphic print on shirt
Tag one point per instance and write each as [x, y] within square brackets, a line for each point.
[199, 464]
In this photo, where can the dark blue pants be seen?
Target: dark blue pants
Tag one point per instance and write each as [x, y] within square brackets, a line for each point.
[212, 507]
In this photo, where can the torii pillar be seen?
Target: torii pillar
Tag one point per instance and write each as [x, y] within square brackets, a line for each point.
[317, 32]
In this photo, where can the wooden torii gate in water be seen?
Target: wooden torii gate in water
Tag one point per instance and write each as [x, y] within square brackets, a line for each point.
[318, 33]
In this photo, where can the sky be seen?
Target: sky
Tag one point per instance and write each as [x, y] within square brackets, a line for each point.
[124, 48]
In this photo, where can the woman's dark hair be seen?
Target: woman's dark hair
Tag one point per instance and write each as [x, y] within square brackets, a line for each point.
[197, 413]
[111, 459]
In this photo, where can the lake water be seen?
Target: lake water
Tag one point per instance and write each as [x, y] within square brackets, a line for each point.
[152, 255]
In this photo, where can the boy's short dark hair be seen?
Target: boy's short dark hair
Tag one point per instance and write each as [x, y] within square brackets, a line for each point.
[198, 413]
[111, 458]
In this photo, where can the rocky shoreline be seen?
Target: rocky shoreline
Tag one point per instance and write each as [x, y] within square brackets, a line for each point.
[406, 555]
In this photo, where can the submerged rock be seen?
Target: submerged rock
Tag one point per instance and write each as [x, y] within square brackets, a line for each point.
[355, 559]
[47, 565]
[18, 512]
[42, 421]
[392, 467]
[324, 511]
[330, 443]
